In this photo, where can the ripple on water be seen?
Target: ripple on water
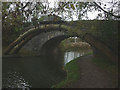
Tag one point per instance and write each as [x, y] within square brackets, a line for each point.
[15, 80]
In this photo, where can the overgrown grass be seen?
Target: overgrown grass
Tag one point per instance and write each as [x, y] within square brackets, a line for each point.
[73, 74]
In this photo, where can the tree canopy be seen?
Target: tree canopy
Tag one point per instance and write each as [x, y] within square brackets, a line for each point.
[16, 16]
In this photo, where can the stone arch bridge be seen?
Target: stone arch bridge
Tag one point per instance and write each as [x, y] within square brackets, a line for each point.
[32, 39]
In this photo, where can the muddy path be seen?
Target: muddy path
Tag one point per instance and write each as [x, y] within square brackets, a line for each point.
[91, 76]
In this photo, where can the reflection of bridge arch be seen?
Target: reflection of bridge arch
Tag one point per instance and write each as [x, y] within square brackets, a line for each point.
[28, 35]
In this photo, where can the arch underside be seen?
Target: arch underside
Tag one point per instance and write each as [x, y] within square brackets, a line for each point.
[95, 43]
[16, 45]
[27, 36]
[36, 43]
[51, 44]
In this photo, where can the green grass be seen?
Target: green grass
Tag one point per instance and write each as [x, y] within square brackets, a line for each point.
[72, 74]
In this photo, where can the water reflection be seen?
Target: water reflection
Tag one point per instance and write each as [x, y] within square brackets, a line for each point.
[70, 55]
[15, 80]
[35, 72]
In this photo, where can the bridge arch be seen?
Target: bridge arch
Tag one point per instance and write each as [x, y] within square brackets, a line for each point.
[49, 46]
[25, 37]
[16, 45]
[35, 44]
[96, 45]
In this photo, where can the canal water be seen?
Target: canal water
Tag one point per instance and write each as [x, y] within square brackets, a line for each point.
[35, 72]
[71, 55]
[31, 72]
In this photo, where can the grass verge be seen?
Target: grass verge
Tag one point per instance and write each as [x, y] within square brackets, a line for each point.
[72, 74]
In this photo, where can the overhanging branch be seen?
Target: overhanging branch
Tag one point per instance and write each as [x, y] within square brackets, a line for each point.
[106, 11]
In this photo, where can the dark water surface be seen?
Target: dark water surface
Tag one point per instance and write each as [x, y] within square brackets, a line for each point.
[34, 72]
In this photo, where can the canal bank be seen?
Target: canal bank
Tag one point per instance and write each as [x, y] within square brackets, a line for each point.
[88, 72]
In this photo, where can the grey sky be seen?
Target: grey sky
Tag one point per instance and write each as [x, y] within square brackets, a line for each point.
[91, 15]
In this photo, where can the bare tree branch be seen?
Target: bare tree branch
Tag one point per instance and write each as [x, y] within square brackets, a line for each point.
[106, 11]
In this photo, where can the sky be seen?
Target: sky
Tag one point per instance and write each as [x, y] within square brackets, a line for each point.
[91, 15]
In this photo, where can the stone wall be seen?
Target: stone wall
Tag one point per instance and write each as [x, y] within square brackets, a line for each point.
[35, 44]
